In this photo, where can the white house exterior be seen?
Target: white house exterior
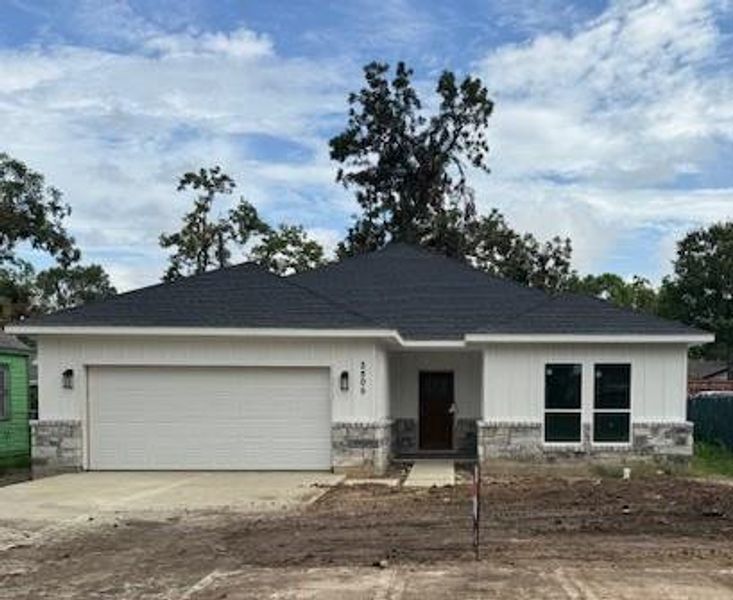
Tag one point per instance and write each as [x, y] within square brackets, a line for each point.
[239, 369]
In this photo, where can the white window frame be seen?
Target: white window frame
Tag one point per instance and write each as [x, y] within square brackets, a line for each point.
[594, 410]
[546, 411]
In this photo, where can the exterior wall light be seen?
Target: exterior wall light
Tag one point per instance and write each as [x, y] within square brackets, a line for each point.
[67, 379]
[344, 381]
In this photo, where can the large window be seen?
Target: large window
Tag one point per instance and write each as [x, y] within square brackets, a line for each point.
[612, 405]
[4, 392]
[562, 402]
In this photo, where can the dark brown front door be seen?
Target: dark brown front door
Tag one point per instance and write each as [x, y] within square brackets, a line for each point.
[436, 412]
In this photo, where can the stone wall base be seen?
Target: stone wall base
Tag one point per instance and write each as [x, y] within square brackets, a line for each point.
[669, 443]
[361, 447]
[406, 437]
[56, 445]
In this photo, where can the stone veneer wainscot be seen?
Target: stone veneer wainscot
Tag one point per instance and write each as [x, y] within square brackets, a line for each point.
[661, 442]
[57, 445]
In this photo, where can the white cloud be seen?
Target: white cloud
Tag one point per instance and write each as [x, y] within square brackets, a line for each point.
[241, 43]
[594, 122]
[114, 131]
[594, 126]
[597, 219]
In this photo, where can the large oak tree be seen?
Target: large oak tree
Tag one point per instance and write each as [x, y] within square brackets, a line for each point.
[409, 167]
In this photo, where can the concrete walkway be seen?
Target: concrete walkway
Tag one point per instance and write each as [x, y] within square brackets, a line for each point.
[431, 473]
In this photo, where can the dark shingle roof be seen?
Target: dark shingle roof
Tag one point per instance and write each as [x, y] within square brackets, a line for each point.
[429, 296]
[421, 294]
[242, 296]
[11, 344]
[706, 369]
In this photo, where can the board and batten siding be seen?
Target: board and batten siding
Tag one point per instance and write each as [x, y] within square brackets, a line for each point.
[405, 370]
[361, 403]
[14, 431]
[514, 379]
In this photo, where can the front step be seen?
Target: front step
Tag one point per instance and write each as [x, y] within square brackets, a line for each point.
[431, 473]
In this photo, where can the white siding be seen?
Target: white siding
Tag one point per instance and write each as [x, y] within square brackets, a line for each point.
[405, 367]
[514, 379]
[57, 353]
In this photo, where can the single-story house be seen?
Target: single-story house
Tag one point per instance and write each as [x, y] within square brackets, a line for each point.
[700, 369]
[708, 376]
[400, 352]
[14, 432]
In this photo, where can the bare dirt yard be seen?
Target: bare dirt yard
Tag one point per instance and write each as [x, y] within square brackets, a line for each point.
[543, 537]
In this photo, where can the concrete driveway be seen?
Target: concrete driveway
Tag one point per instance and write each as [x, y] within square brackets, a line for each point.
[54, 500]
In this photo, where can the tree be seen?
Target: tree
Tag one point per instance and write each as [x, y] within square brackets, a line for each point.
[17, 291]
[204, 243]
[700, 291]
[64, 287]
[637, 294]
[288, 250]
[409, 172]
[31, 211]
[492, 245]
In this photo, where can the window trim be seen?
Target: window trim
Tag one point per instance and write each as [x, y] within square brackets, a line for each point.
[629, 411]
[5, 403]
[545, 410]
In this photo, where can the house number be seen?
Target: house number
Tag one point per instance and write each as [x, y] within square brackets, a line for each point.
[362, 377]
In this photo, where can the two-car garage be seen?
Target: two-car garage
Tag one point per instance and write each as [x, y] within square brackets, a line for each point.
[179, 418]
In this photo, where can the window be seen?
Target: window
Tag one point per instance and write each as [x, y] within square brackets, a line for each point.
[4, 392]
[612, 408]
[562, 403]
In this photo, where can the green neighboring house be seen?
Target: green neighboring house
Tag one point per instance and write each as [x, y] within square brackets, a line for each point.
[15, 442]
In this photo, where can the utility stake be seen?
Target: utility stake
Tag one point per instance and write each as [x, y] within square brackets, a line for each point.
[476, 493]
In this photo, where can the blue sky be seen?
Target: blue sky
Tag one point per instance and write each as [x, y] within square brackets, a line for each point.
[613, 122]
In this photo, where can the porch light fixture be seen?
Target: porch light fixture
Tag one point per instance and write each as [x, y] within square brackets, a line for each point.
[344, 381]
[67, 379]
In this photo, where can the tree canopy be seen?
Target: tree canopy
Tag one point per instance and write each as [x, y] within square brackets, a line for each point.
[64, 287]
[700, 290]
[637, 293]
[204, 243]
[409, 171]
[287, 250]
[31, 211]
[34, 213]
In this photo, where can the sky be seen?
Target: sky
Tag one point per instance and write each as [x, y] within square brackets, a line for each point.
[613, 120]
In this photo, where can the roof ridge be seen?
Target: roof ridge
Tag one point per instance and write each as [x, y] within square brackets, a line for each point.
[330, 265]
[434, 252]
[321, 296]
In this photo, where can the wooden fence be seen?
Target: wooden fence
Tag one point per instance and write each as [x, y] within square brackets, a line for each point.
[695, 386]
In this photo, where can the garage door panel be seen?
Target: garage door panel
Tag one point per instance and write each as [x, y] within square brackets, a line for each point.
[209, 418]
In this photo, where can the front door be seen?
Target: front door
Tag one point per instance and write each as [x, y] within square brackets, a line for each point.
[436, 410]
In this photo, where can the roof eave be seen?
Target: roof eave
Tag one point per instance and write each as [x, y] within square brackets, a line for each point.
[389, 334]
[18, 351]
[102, 330]
[691, 339]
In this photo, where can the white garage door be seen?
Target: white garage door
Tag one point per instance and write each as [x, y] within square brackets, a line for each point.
[209, 418]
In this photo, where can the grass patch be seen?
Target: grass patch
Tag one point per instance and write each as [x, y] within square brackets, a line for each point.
[712, 459]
